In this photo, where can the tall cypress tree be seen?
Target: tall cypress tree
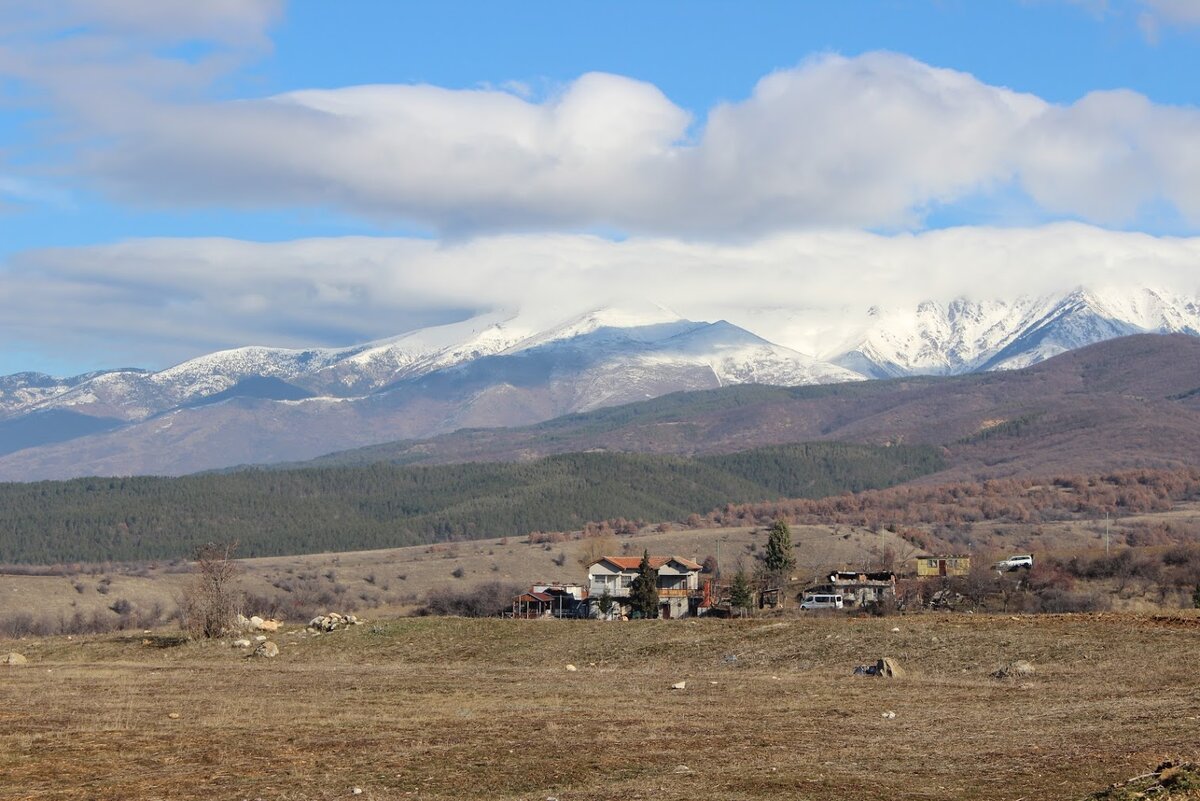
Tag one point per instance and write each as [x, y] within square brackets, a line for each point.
[740, 596]
[643, 591]
[780, 559]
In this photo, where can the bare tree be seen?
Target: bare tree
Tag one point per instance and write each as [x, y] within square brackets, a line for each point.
[592, 548]
[211, 602]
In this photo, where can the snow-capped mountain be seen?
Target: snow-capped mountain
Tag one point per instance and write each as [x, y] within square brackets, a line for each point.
[964, 336]
[259, 404]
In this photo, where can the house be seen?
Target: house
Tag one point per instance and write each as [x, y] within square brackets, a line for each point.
[552, 599]
[858, 588]
[680, 593]
[932, 566]
[532, 605]
[568, 600]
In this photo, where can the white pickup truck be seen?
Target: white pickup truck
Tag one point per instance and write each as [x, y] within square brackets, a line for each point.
[1018, 562]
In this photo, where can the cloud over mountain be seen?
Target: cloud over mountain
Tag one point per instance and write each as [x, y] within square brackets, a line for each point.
[163, 300]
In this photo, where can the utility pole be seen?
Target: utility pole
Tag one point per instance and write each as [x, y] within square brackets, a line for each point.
[1106, 533]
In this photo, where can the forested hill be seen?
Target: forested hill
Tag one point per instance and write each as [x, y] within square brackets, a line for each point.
[310, 510]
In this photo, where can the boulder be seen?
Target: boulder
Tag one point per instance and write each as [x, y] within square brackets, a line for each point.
[267, 650]
[679, 685]
[888, 668]
[256, 622]
[13, 659]
[242, 643]
[269, 625]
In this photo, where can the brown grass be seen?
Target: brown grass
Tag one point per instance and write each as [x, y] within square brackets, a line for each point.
[456, 709]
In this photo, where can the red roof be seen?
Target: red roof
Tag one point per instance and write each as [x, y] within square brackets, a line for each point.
[537, 596]
[634, 562]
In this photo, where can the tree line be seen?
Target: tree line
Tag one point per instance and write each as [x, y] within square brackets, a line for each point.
[273, 512]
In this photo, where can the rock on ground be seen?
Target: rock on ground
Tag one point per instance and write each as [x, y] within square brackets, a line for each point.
[267, 649]
[1016, 670]
[13, 659]
[888, 668]
[333, 621]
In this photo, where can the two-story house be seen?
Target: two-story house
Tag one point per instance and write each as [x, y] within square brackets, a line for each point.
[679, 590]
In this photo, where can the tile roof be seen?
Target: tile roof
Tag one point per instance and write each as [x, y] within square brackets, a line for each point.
[634, 562]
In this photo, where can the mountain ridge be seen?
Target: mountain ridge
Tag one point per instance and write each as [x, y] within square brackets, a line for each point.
[506, 369]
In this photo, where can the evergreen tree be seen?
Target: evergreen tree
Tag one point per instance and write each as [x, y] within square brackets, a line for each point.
[605, 604]
[740, 596]
[780, 560]
[643, 592]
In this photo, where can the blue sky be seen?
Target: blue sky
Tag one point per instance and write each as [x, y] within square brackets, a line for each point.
[131, 122]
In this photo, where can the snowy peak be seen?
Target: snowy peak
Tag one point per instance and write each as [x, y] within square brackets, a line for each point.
[965, 336]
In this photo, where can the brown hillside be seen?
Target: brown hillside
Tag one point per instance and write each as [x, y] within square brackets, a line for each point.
[1126, 403]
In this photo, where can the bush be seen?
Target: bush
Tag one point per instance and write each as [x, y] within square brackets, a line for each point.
[211, 602]
[484, 600]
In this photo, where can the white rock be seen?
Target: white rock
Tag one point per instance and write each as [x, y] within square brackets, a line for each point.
[242, 643]
[355, 791]
[260, 637]
[895, 629]
[571, 668]
[679, 685]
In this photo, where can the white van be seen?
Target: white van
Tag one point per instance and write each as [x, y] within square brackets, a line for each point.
[815, 601]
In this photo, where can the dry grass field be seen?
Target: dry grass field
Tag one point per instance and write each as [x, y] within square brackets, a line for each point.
[449, 708]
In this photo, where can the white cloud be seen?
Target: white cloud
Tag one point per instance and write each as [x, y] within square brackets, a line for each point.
[876, 141]
[99, 65]
[154, 302]
[1158, 13]
[873, 141]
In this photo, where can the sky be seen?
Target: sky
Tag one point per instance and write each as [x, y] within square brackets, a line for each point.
[181, 177]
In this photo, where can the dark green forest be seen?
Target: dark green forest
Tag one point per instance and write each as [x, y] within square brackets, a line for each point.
[274, 512]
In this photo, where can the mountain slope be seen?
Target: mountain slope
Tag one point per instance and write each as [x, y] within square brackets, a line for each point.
[584, 364]
[497, 369]
[1129, 402]
[341, 508]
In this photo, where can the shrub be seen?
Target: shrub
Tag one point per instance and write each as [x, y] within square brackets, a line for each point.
[211, 602]
[484, 600]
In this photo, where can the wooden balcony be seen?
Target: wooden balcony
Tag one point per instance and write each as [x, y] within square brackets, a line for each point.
[679, 592]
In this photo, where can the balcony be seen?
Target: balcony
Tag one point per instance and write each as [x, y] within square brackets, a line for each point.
[677, 592]
[596, 589]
